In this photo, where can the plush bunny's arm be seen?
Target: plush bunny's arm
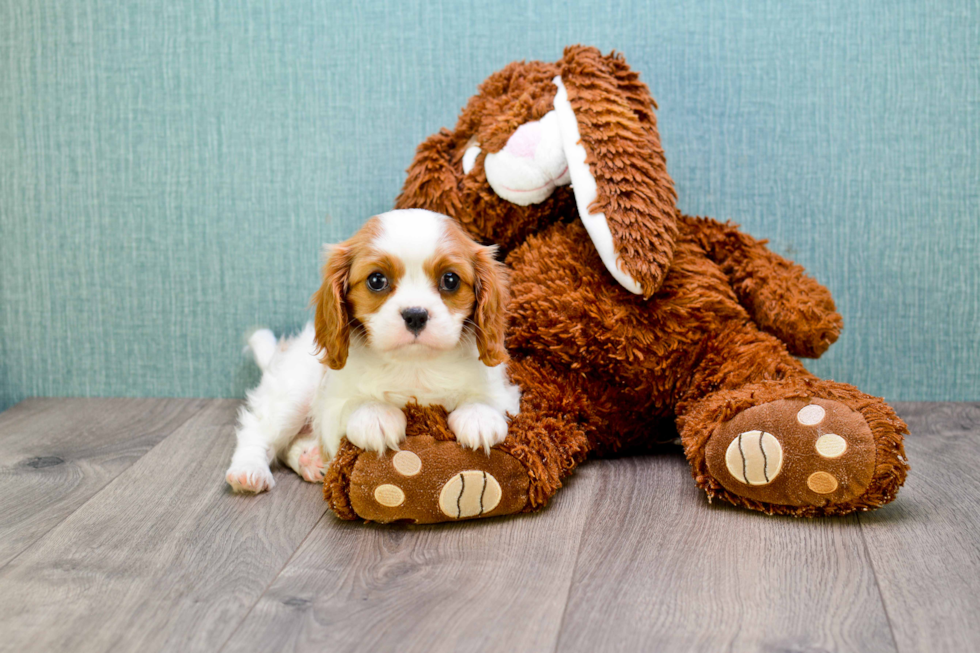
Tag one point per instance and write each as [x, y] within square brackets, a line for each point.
[778, 294]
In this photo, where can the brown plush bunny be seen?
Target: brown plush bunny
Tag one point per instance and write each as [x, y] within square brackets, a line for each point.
[625, 314]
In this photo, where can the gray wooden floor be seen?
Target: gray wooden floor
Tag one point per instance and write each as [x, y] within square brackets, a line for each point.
[117, 533]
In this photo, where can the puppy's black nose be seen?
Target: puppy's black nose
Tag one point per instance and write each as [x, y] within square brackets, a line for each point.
[415, 319]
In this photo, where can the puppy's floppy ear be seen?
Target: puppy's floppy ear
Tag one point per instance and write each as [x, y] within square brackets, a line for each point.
[492, 297]
[433, 181]
[619, 173]
[332, 319]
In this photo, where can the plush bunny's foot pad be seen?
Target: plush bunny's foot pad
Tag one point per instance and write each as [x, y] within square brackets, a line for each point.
[794, 452]
[430, 481]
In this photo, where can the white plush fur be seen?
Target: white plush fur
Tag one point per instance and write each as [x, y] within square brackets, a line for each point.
[586, 190]
[387, 367]
[531, 165]
[542, 155]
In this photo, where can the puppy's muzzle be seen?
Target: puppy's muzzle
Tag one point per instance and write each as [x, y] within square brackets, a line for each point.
[415, 319]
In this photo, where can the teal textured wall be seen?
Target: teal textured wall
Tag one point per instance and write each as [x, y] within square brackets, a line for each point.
[168, 170]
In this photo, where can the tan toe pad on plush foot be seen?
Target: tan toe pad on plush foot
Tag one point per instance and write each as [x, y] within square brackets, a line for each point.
[794, 452]
[432, 481]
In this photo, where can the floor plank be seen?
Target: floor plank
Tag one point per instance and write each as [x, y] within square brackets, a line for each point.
[132, 542]
[56, 453]
[661, 569]
[926, 547]
[163, 558]
[495, 585]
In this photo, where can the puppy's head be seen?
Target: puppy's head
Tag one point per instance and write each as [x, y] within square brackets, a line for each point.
[413, 285]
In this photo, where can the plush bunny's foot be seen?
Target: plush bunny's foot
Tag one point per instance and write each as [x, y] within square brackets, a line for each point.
[794, 452]
[430, 481]
[797, 447]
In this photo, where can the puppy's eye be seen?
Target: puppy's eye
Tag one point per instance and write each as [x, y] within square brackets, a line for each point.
[449, 282]
[377, 281]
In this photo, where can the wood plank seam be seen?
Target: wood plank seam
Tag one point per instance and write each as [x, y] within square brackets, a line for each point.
[272, 581]
[568, 587]
[439, 588]
[924, 548]
[165, 560]
[121, 471]
[881, 595]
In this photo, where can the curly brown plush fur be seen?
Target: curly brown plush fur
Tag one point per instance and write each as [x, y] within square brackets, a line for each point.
[712, 334]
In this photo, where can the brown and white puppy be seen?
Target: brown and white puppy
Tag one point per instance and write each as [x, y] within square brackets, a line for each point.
[410, 310]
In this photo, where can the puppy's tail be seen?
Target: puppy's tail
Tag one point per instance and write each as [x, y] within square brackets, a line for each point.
[263, 346]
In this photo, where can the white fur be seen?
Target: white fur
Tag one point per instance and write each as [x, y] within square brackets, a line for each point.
[530, 177]
[413, 235]
[585, 189]
[524, 177]
[478, 425]
[276, 410]
[263, 346]
[372, 379]
[386, 369]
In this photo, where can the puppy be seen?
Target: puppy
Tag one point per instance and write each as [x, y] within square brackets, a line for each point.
[410, 310]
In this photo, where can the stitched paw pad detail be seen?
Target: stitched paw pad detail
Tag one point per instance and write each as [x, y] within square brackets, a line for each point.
[469, 494]
[431, 481]
[795, 452]
[754, 458]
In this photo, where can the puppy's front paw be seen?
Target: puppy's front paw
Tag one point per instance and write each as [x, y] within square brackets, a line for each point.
[250, 477]
[478, 426]
[375, 426]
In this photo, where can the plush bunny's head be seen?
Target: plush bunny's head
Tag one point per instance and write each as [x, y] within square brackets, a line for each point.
[543, 142]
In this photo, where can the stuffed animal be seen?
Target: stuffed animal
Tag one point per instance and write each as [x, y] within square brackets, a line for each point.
[625, 315]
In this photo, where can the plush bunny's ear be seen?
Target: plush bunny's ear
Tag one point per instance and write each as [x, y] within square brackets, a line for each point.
[619, 176]
[432, 182]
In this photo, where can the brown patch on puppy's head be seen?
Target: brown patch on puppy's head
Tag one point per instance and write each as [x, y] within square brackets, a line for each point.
[401, 264]
[334, 318]
[364, 301]
[483, 292]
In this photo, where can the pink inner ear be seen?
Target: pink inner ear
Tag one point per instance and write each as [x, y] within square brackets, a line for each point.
[524, 141]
